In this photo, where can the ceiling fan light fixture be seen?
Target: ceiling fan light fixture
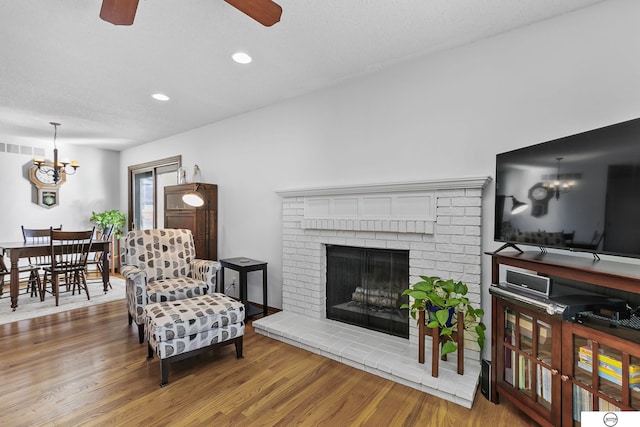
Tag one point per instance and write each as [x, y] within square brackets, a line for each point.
[241, 58]
[160, 97]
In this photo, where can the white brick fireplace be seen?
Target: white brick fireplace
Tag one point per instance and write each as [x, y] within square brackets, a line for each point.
[438, 222]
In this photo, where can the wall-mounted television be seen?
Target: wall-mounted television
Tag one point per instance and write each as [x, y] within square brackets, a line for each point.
[580, 192]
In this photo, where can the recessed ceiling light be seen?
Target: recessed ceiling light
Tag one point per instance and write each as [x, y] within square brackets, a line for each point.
[160, 97]
[241, 58]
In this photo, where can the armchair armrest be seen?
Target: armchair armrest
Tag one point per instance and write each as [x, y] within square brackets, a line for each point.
[130, 271]
[136, 291]
[206, 271]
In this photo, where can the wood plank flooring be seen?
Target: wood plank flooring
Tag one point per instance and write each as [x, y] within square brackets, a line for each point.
[85, 367]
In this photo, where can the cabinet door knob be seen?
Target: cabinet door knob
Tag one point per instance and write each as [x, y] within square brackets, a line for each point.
[554, 372]
[564, 377]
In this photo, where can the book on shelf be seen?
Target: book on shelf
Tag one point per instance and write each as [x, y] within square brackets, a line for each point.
[581, 402]
[524, 373]
[609, 367]
[510, 373]
[605, 405]
[543, 386]
[526, 328]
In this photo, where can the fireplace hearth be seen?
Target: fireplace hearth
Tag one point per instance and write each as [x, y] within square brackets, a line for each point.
[364, 288]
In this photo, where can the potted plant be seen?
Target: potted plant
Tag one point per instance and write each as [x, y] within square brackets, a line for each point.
[107, 218]
[442, 299]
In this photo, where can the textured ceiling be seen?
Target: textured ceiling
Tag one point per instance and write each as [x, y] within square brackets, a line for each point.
[60, 62]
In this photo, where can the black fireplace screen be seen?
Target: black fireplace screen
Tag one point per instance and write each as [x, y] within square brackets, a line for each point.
[364, 288]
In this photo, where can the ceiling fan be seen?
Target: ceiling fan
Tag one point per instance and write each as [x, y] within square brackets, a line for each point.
[122, 12]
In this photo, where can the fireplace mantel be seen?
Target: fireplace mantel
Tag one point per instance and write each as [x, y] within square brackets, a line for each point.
[391, 187]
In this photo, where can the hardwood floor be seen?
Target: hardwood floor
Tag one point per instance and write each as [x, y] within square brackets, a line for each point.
[85, 367]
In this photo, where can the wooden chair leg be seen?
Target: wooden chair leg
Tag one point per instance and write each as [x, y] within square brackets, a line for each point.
[56, 286]
[84, 283]
[43, 288]
[141, 333]
[39, 284]
[34, 280]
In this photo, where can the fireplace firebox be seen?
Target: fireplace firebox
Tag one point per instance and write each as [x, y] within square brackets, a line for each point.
[365, 285]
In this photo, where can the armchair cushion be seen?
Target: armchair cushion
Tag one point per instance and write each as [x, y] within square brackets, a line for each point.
[164, 253]
[175, 289]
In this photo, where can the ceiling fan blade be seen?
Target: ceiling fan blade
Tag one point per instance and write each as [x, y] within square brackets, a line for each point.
[265, 12]
[119, 12]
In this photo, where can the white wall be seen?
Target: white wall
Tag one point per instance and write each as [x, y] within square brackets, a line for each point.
[442, 116]
[94, 187]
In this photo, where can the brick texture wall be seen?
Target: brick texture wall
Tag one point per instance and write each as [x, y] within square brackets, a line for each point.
[447, 245]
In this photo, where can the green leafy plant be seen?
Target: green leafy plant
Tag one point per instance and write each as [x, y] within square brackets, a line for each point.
[107, 218]
[445, 295]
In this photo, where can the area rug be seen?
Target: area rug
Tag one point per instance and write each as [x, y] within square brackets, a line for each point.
[30, 307]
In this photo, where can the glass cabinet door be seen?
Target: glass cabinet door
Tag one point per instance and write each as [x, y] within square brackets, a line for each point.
[544, 370]
[604, 377]
[528, 355]
[510, 342]
[634, 380]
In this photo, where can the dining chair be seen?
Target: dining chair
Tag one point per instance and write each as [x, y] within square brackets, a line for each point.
[4, 272]
[69, 253]
[33, 281]
[95, 258]
[39, 236]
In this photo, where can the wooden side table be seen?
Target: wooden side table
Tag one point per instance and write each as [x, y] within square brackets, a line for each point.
[243, 266]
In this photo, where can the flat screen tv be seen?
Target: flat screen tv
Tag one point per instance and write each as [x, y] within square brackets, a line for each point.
[580, 192]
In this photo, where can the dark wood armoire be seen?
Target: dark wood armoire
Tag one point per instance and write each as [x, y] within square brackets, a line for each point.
[202, 221]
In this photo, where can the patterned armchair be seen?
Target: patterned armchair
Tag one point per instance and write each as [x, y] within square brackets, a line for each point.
[160, 265]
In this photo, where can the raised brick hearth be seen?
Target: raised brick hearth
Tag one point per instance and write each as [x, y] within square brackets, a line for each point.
[438, 222]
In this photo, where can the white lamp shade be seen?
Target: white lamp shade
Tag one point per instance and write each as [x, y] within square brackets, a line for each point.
[193, 198]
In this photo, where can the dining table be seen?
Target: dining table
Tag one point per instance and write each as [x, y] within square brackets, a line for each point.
[17, 250]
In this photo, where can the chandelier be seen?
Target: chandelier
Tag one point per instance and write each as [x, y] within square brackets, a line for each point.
[562, 182]
[59, 167]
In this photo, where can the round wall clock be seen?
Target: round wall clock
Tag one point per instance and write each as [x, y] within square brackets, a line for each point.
[538, 192]
[42, 177]
[44, 174]
[539, 195]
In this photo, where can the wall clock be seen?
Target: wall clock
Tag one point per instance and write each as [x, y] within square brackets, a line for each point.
[42, 177]
[539, 195]
[47, 191]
